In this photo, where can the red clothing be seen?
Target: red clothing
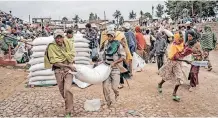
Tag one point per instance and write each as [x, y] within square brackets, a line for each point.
[140, 39]
[187, 51]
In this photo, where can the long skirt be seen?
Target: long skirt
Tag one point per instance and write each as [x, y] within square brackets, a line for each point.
[193, 75]
[172, 70]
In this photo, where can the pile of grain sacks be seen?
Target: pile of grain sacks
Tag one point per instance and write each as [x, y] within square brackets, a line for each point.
[82, 50]
[39, 76]
[82, 56]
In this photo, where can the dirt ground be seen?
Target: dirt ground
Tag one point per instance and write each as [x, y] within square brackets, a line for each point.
[142, 99]
[9, 80]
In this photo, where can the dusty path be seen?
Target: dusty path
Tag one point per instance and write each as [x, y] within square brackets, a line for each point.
[9, 79]
[142, 97]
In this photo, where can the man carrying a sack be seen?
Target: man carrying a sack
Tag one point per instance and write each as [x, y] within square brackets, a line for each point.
[113, 55]
[59, 56]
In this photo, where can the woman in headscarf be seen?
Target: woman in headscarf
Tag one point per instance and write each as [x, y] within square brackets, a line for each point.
[208, 43]
[140, 41]
[197, 56]
[172, 70]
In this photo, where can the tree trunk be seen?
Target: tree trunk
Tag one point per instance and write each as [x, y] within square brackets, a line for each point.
[117, 22]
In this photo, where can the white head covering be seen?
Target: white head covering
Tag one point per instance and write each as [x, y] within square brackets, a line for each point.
[111, 33]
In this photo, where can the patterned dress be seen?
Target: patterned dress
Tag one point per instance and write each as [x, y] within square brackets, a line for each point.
[172, 70]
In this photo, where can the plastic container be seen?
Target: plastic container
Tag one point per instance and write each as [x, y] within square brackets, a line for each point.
[200, 63]
[92, 105]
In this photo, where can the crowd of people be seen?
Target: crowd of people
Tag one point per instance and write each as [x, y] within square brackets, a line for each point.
[14, 30]
[116, 48]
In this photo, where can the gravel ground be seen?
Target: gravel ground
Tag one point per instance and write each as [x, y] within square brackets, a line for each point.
[141, 99]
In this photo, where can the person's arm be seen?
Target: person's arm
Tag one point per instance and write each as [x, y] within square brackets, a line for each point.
[214, 39]
[179, 56]
[61, 65]
[51, 56]
[154, 49]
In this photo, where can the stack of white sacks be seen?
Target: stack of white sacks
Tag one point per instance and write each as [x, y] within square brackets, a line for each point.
[39, 76]
[82, 50]
[82, 56]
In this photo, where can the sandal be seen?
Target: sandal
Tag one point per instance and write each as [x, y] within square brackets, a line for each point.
[209, 69]
[120, 87]
[159, 88]
[67, 115]
[176, 98]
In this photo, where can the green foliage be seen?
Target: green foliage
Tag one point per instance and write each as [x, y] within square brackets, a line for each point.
[117, 15]
[160, 10]
[121, 20]
[132, 15]
[91, 16]
[201, 8]
[76, 18]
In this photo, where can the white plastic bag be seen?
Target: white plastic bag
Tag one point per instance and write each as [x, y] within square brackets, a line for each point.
[92, 75]
[168, 33]
[137, 62]
[80, 84]
[20, 51]
[92, 105]
[35, 61]
[40, 48]
[41, 78]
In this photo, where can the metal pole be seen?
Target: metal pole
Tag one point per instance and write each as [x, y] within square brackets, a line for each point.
[29, 19]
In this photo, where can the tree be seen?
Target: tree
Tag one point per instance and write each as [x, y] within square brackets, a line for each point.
[152, 10]
[160, 10]
[113, 21]
[148, 15]
[96, 17]
[64, 19]
[91, 16]
[121, 20]
[141, 13]
[76, 18]
[200, 8]
[81, 21]
[132, 15]
[117, 15]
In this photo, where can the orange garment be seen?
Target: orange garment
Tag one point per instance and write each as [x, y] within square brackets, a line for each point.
[176, 46]
[140, 39]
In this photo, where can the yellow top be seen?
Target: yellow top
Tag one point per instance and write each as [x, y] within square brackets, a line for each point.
[56, 54]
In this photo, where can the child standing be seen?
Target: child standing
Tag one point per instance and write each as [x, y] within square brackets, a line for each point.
[159, 49]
